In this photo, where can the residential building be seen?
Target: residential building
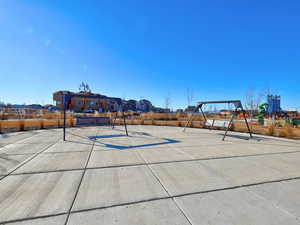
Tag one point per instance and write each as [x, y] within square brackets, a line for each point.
[273, 104]
[191, 108]
[144, 106]
[130, 105]
[86, 101]
[291, 113]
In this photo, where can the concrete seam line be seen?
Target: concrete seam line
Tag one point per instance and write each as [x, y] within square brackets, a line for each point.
[81, 179]
[182, 211]
[183, 195]
[154, 175]
[121, 204]
[32, 218]
[18, 141]
[146, 163]
[196, 146]
[161, 184]
[238, 186]
[157, 178]
[48, 171]
[182, 161]
[151, 200]
[16, 154]
[28, 160]
[166, 190]
[66, 152]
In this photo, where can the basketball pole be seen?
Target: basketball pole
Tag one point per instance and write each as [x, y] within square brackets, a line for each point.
[124, 120]
[64, 118]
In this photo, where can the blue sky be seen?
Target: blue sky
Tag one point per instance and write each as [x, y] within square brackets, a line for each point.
[150, 49]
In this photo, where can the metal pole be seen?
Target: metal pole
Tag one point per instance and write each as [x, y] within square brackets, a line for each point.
[229, 125]
[244, 114]
[125, 123]
[212, 125]
[205, 119]
[113, 122]
[64, 117]
[187, 123]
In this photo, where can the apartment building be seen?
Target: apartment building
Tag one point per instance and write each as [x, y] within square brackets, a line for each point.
[86, 101]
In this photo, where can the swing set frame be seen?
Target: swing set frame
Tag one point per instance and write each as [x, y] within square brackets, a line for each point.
[238, 108]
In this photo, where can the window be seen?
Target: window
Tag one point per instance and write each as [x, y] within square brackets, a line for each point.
[93, 103]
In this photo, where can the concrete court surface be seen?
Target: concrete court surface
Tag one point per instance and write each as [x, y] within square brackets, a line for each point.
[157, 175]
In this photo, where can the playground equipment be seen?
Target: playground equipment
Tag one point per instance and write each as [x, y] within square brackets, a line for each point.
[295, 122]
[262, 109]
[238, 108]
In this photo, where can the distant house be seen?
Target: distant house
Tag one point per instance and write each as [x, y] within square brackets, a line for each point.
[23, 106]
[225, 112]
[160, 110]
[34, 106]
[291, 113]
[191, 108]
[144, 106]
[130, 105]
[179, 111]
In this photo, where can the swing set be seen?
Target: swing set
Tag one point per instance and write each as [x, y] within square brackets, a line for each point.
[238, 109]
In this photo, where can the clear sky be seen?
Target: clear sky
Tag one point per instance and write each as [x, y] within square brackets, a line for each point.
[150, 49]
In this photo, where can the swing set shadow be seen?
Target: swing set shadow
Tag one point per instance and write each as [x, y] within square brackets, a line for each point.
[96, 140]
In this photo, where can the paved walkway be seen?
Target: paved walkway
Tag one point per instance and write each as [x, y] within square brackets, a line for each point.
[157, 176]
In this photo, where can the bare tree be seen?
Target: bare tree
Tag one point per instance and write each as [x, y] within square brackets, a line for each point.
[253, 99]
[84, 87]
[189, 96]
[265, 92]
[249, 101]
[167, 101]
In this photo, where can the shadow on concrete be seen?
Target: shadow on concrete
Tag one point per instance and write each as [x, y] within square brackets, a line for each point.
[243, 137]
[121, 147]
[261, 139]
[92, 138]
[107, 136]
[4, 136]
[141, 133]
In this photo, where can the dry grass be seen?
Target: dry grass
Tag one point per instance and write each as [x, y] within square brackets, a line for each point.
[271, 130]
[287, 132]
[54, 119]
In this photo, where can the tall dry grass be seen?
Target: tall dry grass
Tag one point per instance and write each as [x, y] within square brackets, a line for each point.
[271, 130]
[287, 131]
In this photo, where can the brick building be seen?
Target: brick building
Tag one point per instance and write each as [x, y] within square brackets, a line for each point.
[86, 101]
